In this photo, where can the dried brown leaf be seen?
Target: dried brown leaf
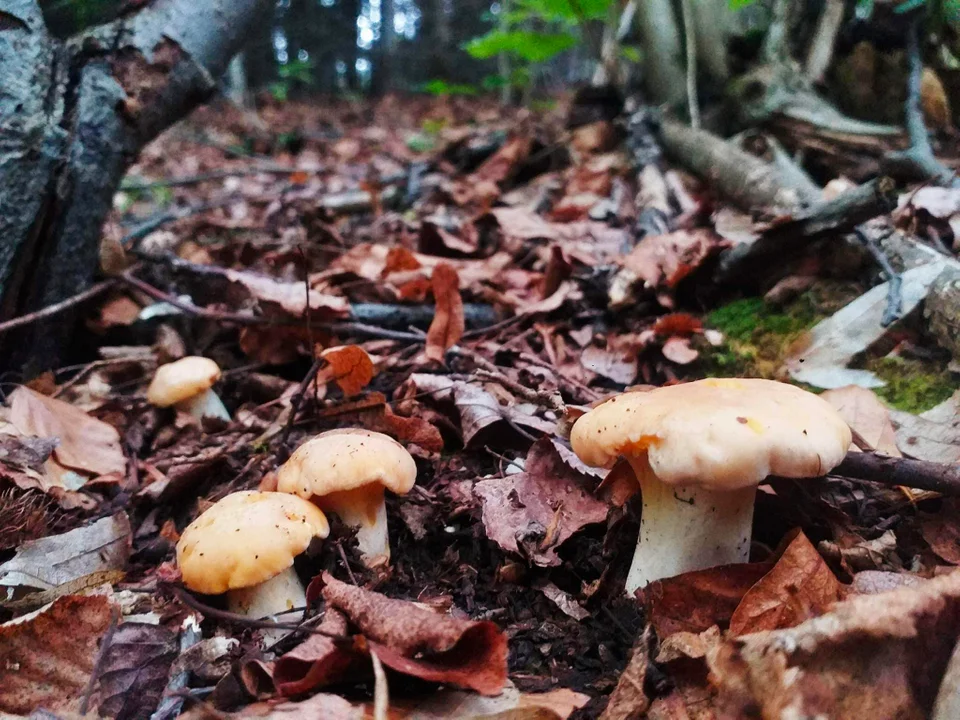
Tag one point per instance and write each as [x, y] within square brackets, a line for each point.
[942, 531]
[349, 366]
[617, 365]
[872, 656]
[696, 601]
[447, 326]
[289, 297]
[798, 587]
[679, 351]
[862, 410]
[86, 444]
[539, 508]
[511, 704]
[134, 670]
[48, 658]
[629, 699]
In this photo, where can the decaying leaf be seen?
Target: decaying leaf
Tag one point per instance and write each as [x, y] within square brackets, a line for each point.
[862, 410]
[933, 435]
[86, 444]
[533, 512]
[629, 699]
[873, 656]
[448, 322]
[288, 297]
[349, 366]
[134, 669]
[48, 657]
[942, 531]
[49, 562]
[798, 587]
[322, 706]
[510, 704]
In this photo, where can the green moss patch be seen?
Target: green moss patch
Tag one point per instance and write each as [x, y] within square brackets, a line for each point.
[913, 385]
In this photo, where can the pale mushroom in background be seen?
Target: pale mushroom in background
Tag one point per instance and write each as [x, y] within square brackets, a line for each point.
[345, 472]
[699, 450]
[244, 546]
[186, 384]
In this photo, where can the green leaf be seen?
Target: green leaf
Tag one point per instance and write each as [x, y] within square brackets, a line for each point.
[740, 4]
[909, 5]
[570, 11]
[530, 46]
[631, 53]
[442, 87]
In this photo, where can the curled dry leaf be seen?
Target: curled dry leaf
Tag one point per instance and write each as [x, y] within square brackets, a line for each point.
[511, 704]
[56, 560]
[504, 162]
[678, 350]
[349, 366]
[86, 444]
[933, 435]
[405, 637]
[872, 656]
[448, 322]
[535, 511]
[695, 601]
[322, 706]
[798, 587]
[942, 531]
[617, 365]
[629, 699]
[48, 658]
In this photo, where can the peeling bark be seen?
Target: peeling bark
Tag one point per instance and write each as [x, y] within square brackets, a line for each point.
[73, 117]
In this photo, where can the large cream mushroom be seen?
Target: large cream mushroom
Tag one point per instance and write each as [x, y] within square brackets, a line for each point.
[244, 546]
[187, 385]
[346, 472]
[699, 451]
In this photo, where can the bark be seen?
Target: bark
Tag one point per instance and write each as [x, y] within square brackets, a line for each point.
[73, 116]
[663, 73]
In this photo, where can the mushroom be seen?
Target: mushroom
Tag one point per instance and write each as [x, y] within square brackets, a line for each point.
[244, 546]
[186, 384]
[345, 472]
[699, 450]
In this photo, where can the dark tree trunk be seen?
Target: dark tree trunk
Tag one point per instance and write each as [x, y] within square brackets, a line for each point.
[73, 116]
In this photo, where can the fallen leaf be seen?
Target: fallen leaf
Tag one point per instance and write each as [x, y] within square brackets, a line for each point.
[872, 656]
[447, 326]
[798, 587]
[48, 657]
[504, 162]
[848, 333]
[289, 297]
[679, 323]
[56, 560]
[511, 704]
[134, 670]
[862, 410]
[934, 435]
[618, 365]
[696, 601]
[679, 351]
[86, 444]
[629, 700]
[349, 366]
[539, 508]
[322, 706]
[564, 601]
[942, 531]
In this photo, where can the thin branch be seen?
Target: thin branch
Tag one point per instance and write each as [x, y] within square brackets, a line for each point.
[895, 282]
[901, 472]
[161, 219]
[57, 308]
[297, 399]
[690, 36]
[186, 180]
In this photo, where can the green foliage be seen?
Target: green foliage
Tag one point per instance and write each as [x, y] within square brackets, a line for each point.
[292, 74]
[530, 46]
[739, 4]
[443, 88]
[913, 385]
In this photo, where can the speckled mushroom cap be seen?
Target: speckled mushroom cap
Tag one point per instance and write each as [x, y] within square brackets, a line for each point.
[246, 539]
[347, 459]
[182, 380]
[720, 434]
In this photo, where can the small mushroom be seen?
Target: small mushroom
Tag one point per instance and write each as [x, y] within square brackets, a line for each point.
[244, 546]
[186, 384]
[699, 450]
[345, 472]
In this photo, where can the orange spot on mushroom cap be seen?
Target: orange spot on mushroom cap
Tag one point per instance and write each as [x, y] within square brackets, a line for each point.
[753, 424]
[640, 445]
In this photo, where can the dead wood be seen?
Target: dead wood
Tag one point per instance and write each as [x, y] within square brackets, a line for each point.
[904, 472]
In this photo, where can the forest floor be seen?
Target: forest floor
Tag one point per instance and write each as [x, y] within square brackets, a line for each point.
[467, 280]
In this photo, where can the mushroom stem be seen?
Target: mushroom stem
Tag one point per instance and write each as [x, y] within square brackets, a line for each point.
[270, 599]
[686, 528]
[206, 404]
[365, 510]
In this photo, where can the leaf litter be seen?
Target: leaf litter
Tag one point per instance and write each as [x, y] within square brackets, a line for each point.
[472, 313]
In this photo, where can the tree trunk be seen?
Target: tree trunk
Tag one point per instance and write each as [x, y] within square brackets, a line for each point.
[663, 73]
[73, 116]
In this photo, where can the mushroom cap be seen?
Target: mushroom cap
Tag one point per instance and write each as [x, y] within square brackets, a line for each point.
[720, 434]
[347, 459]
[181, 380]
[246, 539]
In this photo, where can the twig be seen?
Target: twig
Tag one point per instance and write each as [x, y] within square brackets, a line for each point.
[191, 309]
[919, 158]
[381, 691]
[690, 36]
[135, 186]
[372, 331]
[895, 282]
[157, 221]
[551, 401]
[101, 656]
[824, 40]
[903, 472]
[346, 563]
[172, 701]
[57, 308]
[297, 399]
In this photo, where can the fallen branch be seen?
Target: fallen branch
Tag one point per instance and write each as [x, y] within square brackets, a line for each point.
[59, 307]
[901, 472]
[159, 220]
[918, 161]
[895, 282]
[187, 180]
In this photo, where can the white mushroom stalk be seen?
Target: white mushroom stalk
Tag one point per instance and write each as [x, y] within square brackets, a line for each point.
[687, 528]
[281, 599]
[206, 404]
[365, 510]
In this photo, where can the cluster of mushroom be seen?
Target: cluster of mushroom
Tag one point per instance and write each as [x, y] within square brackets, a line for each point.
[699, 451]
[245, 544]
